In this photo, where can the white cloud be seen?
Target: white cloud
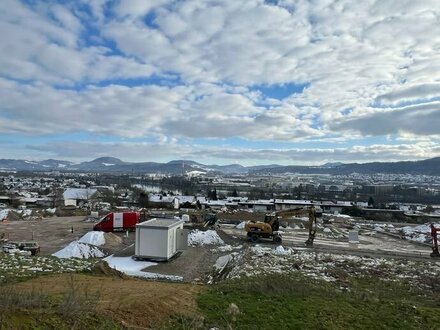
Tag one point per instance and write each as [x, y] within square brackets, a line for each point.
[416, 92]
[353, 56]
[420, 120]
[35, 47]
[113, 110]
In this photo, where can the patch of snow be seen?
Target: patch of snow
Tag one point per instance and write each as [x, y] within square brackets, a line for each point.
[421, 233]
[222, 261]
[94, 238]
[419, 238]
[378, 228]
[4, 214]
[327, 230]
[132, 267]
[106, 164]
[241, 225]
[259, 250]
[228, 248]
[26, 213]
[409, 230]
[281, 251]
[200, 238]
[51, 211]
[79, 250]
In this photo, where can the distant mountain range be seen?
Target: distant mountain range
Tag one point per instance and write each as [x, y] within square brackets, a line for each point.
[115, 165]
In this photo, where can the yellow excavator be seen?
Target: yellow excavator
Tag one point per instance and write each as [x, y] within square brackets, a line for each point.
[269, 228]
[266, 230]
[312, 225]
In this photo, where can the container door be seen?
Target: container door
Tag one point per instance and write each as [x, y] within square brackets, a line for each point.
[182, 239]
[118, 221]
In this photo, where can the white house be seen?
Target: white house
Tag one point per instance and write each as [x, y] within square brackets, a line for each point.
[73, 196]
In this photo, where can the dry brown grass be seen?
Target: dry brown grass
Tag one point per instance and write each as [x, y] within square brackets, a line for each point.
[132, 302]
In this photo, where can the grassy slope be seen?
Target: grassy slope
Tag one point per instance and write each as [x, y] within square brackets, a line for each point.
[99, 301]
[294, 302]
[93, 301]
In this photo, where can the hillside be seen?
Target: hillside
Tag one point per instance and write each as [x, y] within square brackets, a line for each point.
[177, 167]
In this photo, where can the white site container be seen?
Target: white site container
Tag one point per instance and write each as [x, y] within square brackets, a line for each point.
[160, 239]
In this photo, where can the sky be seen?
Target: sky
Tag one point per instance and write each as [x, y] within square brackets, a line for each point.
[292, 82]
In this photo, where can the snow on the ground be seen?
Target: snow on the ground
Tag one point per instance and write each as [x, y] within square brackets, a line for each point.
[343, 215]
[93, 237]
[281, 251]
[4, 214]
[132, 267]
[26, 213]
[378, 228]
[241, 225]
[421, 233]
[79, 250]
[15, 266]
[408, 230]
[228, 248]
[209, 237]
[51, 211]
[85, 247]
[222, 261]
[259, 260]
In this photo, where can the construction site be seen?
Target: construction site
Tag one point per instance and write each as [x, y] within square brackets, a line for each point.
[219, 248]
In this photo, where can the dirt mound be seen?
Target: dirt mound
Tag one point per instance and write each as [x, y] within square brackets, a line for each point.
[112, 240]
[102, 268]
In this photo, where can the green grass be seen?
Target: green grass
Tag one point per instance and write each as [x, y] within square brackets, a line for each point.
[296, 302]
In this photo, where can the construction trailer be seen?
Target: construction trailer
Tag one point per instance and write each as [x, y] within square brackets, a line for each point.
[160, 239]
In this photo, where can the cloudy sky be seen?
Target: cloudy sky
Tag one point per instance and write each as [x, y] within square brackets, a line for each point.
[222, 81]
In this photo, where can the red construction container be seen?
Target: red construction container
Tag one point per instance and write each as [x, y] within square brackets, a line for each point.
[118, 221]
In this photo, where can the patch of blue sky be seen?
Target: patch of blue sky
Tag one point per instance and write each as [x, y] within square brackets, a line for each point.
[280, 91]
[150, 20]
[154, 80]
[18, 80]
[346, 111]
[271, 2]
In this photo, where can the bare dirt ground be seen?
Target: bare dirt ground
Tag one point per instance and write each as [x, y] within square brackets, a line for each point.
[138, 303]
[52, 234]
[192, 264]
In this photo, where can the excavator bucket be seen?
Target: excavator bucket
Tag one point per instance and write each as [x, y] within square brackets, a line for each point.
[310, 240]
